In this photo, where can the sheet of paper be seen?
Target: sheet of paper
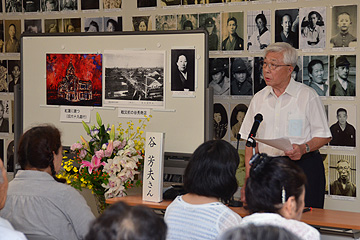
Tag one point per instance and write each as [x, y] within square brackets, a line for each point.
[283, 144]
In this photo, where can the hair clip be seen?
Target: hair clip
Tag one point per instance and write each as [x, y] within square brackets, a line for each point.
[283, 195]
[254, 158]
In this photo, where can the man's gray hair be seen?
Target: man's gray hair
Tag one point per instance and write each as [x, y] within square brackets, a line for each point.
[290, 53]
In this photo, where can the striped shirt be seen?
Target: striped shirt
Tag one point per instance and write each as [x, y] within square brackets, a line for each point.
[198, 221]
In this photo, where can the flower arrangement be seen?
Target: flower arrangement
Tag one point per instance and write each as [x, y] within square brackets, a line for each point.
[108, 162]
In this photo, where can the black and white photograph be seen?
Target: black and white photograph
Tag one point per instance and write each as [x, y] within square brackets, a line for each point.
[31, 5]
[14, 74]
[9, 143]
[134, 78]
[342, 122]
[220, 121]
[142, 23]
[343, 75]
[258, 29]
[219, 76]
[342, 175]
[12, 36]
[32, 25]
[297, 72]
[343, 28]
[2, 149]
[165, 22]
[232, 31]
[50, 5]
[68, 5]
[53, 25]
[259, 81]
[4, 116]
[146, 3]
[241, 76]
[3, 76]
[287, 26]
[183, 70]
[312, 28]
[193, 2]
[210, 22]
[112, 4]
[72, 25]
[13, 6]
[165, 3]
[187, 21]
[93, 24]
[316, 73]
[113, 24]
[2, 40]
[90, 4]
[236, 119]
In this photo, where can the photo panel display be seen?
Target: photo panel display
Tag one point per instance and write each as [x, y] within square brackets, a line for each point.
[238, 112]
[13, 6]
[210, 22]
[14, 74]
[316, 73]
[134, 78]
[220, 121]
[241, 76]
[5, 111]
[72, 25]
[342, 122]
[146, 3]
[10, 149]
[342, 175]
[187, 21]
[113, 24]
[142, 23]
[343, 76]
[3, 76]
[112, 4]
[232, 31]
[287, 26]
[31, 5]
[50, 5]
[344, 26]
[259, 81]
[312, 27]
[93, 24]
[69, 5]
[165, 22]
[258, 29]
[219, 76]
[12, 36]
[53, 25]
[90, 4]
[32, 25]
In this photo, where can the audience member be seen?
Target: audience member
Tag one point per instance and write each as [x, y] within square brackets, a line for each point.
[209, 178]
[275, 193]
[253, 232]
[123, 222]
[6, 230]
[38, 202]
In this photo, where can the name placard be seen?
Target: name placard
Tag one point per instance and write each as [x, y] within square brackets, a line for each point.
[153, 167]
[74, 114]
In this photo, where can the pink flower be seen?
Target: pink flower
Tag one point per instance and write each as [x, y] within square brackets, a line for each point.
[93, 165]
[75, 146]
[82, 154]
[109, 149]
[99, 154]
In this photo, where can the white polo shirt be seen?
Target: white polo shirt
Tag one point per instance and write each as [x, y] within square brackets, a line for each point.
[297, 114]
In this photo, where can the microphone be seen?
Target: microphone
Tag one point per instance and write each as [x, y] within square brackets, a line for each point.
[258, 119]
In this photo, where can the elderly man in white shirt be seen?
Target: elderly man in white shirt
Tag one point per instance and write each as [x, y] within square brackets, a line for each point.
[292, 110]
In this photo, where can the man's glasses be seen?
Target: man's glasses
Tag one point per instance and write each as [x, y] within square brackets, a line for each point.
[272, 66]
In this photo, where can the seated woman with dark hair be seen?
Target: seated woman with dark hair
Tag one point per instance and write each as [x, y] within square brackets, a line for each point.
[124, 222]
[275, 192]
[209, 179]
[38, 203]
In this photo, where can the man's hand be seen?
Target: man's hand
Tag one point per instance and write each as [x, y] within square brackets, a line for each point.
[296, 152]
